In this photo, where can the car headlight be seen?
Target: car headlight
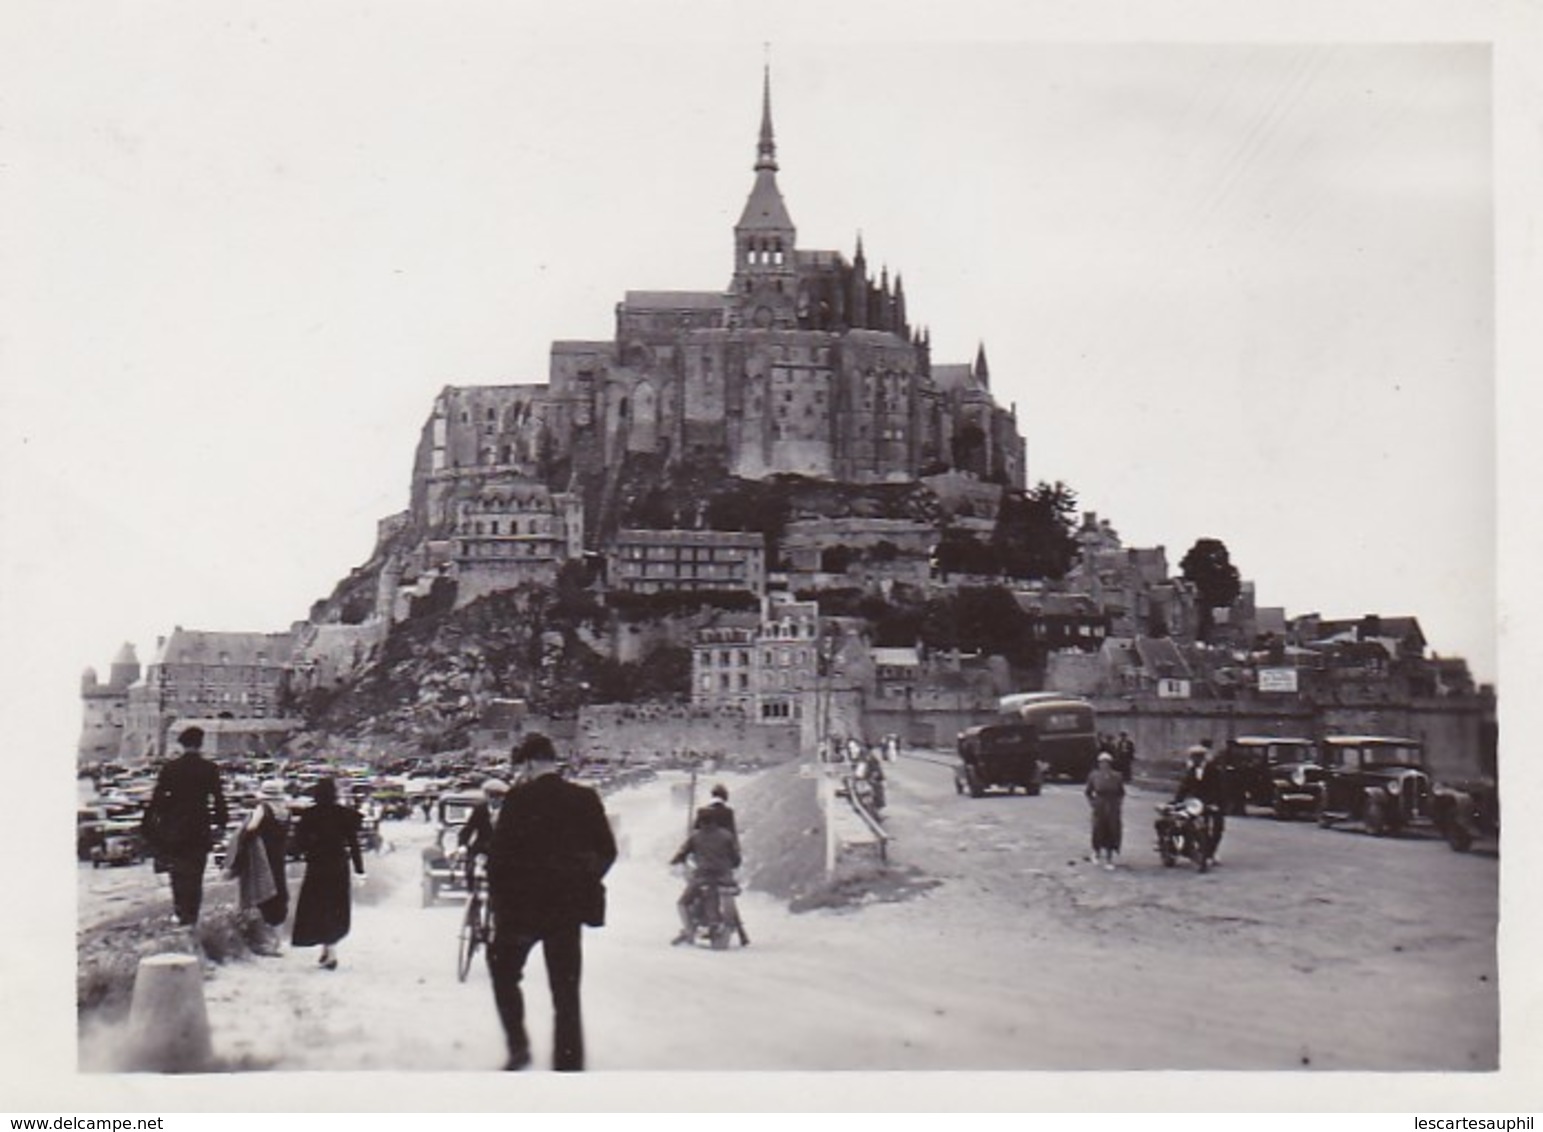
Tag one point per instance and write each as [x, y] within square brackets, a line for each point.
[1392, 788]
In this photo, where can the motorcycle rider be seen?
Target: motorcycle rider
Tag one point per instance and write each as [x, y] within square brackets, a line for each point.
[718, 811]
[1204, 780]
[713, 853]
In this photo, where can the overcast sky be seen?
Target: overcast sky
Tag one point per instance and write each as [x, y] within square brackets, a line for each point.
[1236, 290]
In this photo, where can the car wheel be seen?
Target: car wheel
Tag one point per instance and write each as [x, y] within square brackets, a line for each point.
[1032, 791]
[1375, 816]
[1458, 837]
[976, 789]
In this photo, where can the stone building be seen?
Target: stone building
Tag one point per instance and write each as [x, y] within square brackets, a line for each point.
[105, 707]
[643, 561]
[200, 675]
[805, 363]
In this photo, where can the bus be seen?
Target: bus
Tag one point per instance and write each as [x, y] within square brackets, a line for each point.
[1061, 727]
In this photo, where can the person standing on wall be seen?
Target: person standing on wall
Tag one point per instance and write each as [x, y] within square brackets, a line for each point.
[552, 847]
[187, 805]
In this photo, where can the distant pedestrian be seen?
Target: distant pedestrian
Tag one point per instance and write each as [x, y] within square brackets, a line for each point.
[1106, 795]
[256, 859]
[551, 848]
[327, 834]
[1125, 755]
[187, 805]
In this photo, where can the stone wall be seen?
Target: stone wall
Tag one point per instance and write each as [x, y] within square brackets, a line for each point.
[642, 731]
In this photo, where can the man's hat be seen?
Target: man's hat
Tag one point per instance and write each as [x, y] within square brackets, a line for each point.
[191, 737]
[536, 747]
[1197, 749]
[495, 786]
[1105, 757]
[721, 791]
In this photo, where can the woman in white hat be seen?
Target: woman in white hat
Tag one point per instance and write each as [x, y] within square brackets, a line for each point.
[1106, 795]
[257, 860]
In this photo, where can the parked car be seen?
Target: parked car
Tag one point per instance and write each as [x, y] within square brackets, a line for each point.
[119, 844]
[1378, 780]
[443, 870]
[998, 755]
[1278, 774]
[1466, 811]
[90, 822]
[394, 804]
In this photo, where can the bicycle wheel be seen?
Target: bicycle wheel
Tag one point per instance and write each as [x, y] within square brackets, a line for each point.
[471, 935]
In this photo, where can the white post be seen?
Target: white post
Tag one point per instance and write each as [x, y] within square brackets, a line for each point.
[828, 790]
[168, 1023]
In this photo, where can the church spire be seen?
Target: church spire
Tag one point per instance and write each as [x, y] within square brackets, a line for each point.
[766, 150]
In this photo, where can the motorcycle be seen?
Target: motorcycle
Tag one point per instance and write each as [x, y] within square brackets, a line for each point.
[1184, 830]
[715, 916]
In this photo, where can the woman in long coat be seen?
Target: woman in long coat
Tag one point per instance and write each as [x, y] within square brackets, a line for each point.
[1106, 794]
[328, 836]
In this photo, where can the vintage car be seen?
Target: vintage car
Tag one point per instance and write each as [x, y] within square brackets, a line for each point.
[1380, 781]
[1278, 774]
[998, 755]
[393, 804]
[90, 822]
[443, 862]
[1466, 811]
[119, 844]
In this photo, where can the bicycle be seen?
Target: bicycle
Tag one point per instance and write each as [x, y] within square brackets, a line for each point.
[476, 929]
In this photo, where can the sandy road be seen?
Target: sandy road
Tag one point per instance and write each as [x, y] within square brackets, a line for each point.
[1315, 947]
[1306, 948]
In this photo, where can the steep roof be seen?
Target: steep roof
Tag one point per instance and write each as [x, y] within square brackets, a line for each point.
[674, 300]
[190, 646]
[765, 208]
[1161, 657]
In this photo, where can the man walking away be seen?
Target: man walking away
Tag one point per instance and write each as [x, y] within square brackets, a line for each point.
[187, 804]
[551, 846]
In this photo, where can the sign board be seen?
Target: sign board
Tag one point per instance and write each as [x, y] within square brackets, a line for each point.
[1173, 689]
[1277, 679]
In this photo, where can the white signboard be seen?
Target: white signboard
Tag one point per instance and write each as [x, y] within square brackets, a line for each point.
[1173, 689]
[1277, 679]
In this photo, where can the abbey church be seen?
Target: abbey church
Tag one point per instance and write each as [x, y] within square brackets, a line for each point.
[804, 364]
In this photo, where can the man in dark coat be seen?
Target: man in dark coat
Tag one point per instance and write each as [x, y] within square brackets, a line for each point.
[717, 812]
[187, 805]
[476, 836]
[552, 845]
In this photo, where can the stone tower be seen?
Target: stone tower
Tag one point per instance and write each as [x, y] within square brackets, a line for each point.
[765, 286]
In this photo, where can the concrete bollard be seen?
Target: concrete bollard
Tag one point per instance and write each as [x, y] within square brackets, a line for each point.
[168, 1023]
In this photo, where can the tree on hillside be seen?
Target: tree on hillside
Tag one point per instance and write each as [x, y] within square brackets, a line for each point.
[1035, 531]
[1209, 568]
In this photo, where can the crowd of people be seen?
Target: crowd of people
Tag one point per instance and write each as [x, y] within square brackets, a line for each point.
[547, 844]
